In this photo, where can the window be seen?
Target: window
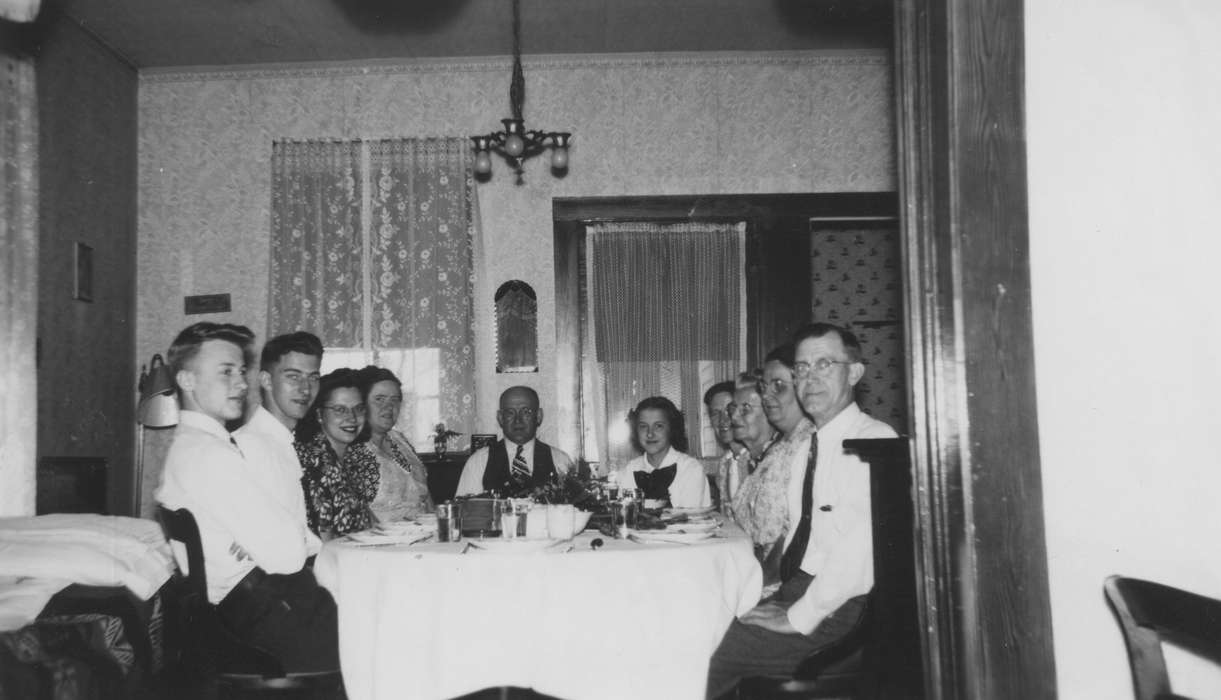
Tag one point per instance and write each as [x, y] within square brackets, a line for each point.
[371, 250]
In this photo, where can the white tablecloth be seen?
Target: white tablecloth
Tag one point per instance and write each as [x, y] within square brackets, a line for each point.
[626, 621]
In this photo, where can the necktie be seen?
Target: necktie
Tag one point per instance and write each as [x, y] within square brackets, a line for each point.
[790, 561]
[521, 470]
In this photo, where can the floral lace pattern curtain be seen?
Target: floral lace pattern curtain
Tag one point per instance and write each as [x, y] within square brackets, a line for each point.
[18, 283]
[316, 247]
[666, 315]
[424, 212]
[371, 250]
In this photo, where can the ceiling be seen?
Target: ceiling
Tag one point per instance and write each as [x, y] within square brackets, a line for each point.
[180, 33]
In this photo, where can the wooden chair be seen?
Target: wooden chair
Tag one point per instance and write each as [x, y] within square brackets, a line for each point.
[882, 657]
[1151, 613]
[207, 648]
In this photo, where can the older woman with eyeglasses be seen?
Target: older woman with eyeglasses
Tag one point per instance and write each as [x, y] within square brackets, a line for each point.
[402, 487]
[761, 504]
[339, 470]
[749, 428]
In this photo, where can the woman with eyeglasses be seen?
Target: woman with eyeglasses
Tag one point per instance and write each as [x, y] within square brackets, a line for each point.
[761, 504]
[402, 486]
[339, 470]
[748, 427]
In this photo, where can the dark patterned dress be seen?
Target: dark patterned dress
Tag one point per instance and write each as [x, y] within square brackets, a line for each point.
[337, 491]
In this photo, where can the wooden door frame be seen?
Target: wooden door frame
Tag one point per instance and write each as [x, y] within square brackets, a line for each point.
[959, 80]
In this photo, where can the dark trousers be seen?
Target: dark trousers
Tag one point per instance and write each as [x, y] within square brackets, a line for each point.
[288, 615]
[749, 650]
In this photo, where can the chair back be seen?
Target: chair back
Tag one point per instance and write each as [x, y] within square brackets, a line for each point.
[894, 660]
[179, 525]
[1152, 613]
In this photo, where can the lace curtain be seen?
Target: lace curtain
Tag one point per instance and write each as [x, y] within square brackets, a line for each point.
[18, 283]
[371, 249]
[667, 317]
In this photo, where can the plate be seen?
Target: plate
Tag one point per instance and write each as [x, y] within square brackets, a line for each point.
[519, 546]
[368, 537]
[705, 526]
[691, 511]
[671, 537]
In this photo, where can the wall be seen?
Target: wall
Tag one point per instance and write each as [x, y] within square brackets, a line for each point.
[1123, 103]
[643, 124]
[86, 379]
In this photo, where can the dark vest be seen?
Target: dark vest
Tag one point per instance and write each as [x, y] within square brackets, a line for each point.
[496, 475]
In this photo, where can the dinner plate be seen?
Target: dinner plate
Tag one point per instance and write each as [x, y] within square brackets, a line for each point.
[368, 537]
[689, 511]
[517, 546]
[702, 526]
[671, 537]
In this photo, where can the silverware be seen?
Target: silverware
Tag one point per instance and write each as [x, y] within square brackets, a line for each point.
[466, 549]
[639, 540]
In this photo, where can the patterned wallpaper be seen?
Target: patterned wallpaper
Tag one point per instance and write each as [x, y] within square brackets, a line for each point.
[643, 124]
[856, 282]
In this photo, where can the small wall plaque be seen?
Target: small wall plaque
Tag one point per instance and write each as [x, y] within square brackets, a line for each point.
[206, 304]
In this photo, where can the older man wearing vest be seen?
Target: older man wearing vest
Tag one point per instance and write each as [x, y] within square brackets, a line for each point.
[519, 463]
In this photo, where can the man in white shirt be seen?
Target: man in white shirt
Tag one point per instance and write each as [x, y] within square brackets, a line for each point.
[728, 470]
[254, 547]
[288, 380]
[827, 565]
[519, 463]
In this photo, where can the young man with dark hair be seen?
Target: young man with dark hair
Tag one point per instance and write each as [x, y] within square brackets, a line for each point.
[826, 568]
[288, 380]
[725, 471]
[254, 547]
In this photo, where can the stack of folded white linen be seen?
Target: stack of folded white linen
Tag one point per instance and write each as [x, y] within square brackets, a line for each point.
[41, 555]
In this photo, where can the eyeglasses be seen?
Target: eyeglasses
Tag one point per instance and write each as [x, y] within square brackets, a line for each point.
[773, 386]
[821, 367]
[346, 412]
[745, 409]
[510, 414]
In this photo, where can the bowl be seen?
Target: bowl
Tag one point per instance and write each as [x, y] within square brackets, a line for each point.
[580, 520]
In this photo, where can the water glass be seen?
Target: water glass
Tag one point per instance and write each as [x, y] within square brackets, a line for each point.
[624, 513]
[449, 522]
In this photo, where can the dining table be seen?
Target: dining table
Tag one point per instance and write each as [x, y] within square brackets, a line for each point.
[591, 617]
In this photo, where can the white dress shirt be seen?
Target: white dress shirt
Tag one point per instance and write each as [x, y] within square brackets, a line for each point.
[268, 447]
[840, 551]
[690, 486]
[471, 481]
[241, 524]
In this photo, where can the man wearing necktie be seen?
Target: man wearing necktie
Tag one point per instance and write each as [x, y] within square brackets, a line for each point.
[520, 462]
[827, 564]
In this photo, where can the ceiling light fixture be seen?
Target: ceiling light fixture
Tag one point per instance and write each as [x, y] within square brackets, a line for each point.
[514, 143]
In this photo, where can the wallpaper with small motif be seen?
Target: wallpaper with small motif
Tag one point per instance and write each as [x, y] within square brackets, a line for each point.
[856, 283]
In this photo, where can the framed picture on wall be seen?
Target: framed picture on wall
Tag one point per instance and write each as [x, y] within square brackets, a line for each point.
[82, 263]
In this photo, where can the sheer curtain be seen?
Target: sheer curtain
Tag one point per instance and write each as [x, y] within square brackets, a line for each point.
[18, 283]
[371, 249]
[667, 312]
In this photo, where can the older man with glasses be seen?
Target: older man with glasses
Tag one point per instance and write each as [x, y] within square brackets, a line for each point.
[826, 568]
[519, 463]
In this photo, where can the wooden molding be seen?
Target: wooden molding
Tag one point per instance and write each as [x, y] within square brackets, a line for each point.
[986, 607]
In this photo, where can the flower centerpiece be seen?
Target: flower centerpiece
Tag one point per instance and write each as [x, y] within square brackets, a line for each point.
[569, 488]
[441, 437]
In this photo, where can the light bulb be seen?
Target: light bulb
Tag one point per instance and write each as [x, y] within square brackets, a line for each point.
[483, 163]
[514, 145]
[559, 158]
